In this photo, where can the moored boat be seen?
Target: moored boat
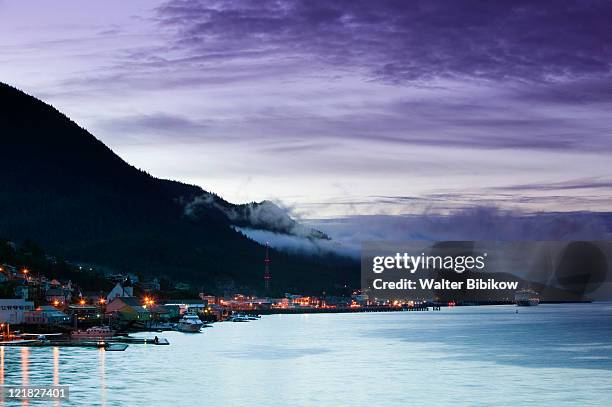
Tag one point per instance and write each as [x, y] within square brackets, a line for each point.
[189, 323]
[238, 318]
[96, 332]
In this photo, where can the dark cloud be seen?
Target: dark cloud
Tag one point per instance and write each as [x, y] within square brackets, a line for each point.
[397, 41]
[386, 102]
[588, 183]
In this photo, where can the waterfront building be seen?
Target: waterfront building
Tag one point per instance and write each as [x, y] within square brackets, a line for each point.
[46, 315]
[128, 308]
[189, 306]
[164, 312]
[84, 312]
[12, 311]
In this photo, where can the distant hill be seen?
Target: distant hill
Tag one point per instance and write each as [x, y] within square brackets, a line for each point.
[65, 190]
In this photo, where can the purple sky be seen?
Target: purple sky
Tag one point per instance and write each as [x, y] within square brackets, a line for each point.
[336, 107]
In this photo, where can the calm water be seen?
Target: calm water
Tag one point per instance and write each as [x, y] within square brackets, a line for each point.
[551, 355]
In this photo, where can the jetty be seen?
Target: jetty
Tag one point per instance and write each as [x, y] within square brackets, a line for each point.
[341, 310]
[131, 340]
[66, 343]
[114, 343]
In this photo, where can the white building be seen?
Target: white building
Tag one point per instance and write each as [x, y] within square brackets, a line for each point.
[119, 291]
[12, 311]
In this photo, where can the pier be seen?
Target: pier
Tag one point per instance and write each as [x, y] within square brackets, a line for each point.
[118, 343]
[313, 310]
[140, 341]
[66, 343]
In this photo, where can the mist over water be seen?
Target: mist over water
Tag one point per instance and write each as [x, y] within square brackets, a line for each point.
[557, 355]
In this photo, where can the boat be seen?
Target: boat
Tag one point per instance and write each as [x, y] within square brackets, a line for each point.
[96, 332]
[189, 323]
[238, 318]
[161, 326]
[526, 298]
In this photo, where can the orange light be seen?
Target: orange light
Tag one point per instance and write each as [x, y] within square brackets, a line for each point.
[26, 271]
[56, 303]
[82, 302]
[102, 300]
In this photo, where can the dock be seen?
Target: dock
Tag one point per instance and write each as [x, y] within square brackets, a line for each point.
[67, 343]
[342, 310]
[20, 342]
[140, 341]
[117, 343]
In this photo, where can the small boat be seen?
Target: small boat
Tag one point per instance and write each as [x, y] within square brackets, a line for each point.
[238, 318]
[115, 347]
[526, 298]
[189, 323]
[96, 332]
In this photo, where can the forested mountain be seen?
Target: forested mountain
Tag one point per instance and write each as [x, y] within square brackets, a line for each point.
[65, 190]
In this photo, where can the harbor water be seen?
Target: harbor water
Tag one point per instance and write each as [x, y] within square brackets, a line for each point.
[549, 355]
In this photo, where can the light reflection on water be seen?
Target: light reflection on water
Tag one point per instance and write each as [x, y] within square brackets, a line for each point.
[547, 355]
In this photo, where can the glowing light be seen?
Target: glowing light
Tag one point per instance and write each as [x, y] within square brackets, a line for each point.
[82, 302]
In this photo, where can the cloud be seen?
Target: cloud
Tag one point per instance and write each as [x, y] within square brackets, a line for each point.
[407, 41]
[156, 125]
[256, 216]
[476, 223]
[385, 98]
[588, 183]
[299, 244]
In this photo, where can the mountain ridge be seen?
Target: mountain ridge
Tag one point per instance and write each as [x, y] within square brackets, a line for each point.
[71, 193]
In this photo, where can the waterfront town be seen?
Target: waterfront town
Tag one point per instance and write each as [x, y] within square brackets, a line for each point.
[38, 303]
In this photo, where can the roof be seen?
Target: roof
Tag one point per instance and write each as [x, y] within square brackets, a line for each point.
[161, 309]
[55, 291]
[185, 302]
[47, 309]
[130, 301]
[82, 307]
[136, 308]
